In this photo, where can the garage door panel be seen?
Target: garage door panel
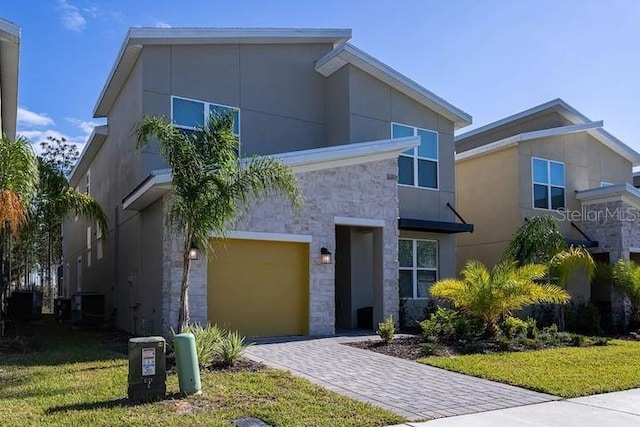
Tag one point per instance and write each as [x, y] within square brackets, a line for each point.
[260, 287]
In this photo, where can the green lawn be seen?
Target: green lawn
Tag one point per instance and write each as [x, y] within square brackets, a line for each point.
[566, 371]
[79, 381]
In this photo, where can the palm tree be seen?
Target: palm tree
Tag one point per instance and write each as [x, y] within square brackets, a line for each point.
[211, 184]
[536, 241]
[492, 294]
[54, 200]
[627, 277]
[18, 183]
[566, 263]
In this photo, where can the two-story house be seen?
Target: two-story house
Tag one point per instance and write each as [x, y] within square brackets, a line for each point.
[548, 160]
[9, 60]
[373, 152]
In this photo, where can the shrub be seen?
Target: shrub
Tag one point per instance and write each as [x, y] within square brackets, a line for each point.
[583, 318]
[529, 342]
[207, 339]
[449, 325]
[431, 348]
[471, 347]
[441, 324]
[231, 348]
[514, 327]
[387, 330]
[578, 340]
[600, 341]
[549, 335]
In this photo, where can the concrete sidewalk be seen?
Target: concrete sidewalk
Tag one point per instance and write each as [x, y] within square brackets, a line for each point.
[620, 409]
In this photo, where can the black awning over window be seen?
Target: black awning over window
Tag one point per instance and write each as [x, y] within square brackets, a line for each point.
[434, 226]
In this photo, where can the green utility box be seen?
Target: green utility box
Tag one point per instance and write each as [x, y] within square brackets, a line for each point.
[187, 363]
[147, 369]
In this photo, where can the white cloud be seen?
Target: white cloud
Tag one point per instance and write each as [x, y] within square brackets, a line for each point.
[31, 119]
[72, 19]
[162, 25]
[84, 125]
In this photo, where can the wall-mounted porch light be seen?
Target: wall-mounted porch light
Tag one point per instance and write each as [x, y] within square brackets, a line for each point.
[325, 256]
[193, 251]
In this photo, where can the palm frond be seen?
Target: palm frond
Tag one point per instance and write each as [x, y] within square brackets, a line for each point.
[18, 180]
[536, 241]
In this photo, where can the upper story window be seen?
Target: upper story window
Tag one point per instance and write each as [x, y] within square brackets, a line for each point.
[418, 167]
[418, 267]
[88, 184]
[548, 184]
[191, 114]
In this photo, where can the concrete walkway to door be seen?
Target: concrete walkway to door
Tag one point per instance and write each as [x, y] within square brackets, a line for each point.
[407, 388]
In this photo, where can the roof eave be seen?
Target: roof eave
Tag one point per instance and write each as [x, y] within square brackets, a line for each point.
[558, 105]
[10, 59]
[91, 148]
[159, 182]
[349, 54]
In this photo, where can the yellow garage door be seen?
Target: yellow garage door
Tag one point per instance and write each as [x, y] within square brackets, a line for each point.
[260, 288]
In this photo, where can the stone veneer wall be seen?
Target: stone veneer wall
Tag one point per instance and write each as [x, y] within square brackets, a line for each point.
[367, 190]
[615, 225]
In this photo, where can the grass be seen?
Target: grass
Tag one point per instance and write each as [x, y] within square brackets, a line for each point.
[78, 380]
[564, 371]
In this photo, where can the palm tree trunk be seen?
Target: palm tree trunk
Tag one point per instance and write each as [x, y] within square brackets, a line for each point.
[183, 314]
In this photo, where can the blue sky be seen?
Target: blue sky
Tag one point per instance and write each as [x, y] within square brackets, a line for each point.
[490, 58]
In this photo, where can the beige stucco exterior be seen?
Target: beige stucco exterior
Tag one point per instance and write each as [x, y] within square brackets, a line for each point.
[494, 183]
[487, 192]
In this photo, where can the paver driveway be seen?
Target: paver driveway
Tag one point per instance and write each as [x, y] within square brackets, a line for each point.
[408, 388]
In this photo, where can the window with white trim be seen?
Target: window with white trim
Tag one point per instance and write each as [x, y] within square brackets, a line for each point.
[88, 186]
[418, 167]
[548, 184]
[418, 267]
[191, 114]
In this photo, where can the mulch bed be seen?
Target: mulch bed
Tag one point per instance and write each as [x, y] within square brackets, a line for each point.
[242, 365]
[409, 348]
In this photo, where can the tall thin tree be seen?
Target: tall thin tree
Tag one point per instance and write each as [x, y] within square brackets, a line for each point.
[211, 184]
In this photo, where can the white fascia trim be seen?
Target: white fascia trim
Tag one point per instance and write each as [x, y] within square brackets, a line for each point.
[155, 35]
[305, 161]
[559, 105]
[595, 194]
[9, 31]
[527, 136]
[136, 38]
[159, 179]
[346, 53]
[95, 141]
[347, 154]
[274, 237]
[358, 222]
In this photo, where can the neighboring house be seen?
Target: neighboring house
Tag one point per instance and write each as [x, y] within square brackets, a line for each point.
[9, 60]
[548, 160]
[342, 119]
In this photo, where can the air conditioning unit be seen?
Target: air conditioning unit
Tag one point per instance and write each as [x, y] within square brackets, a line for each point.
[87, 310]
